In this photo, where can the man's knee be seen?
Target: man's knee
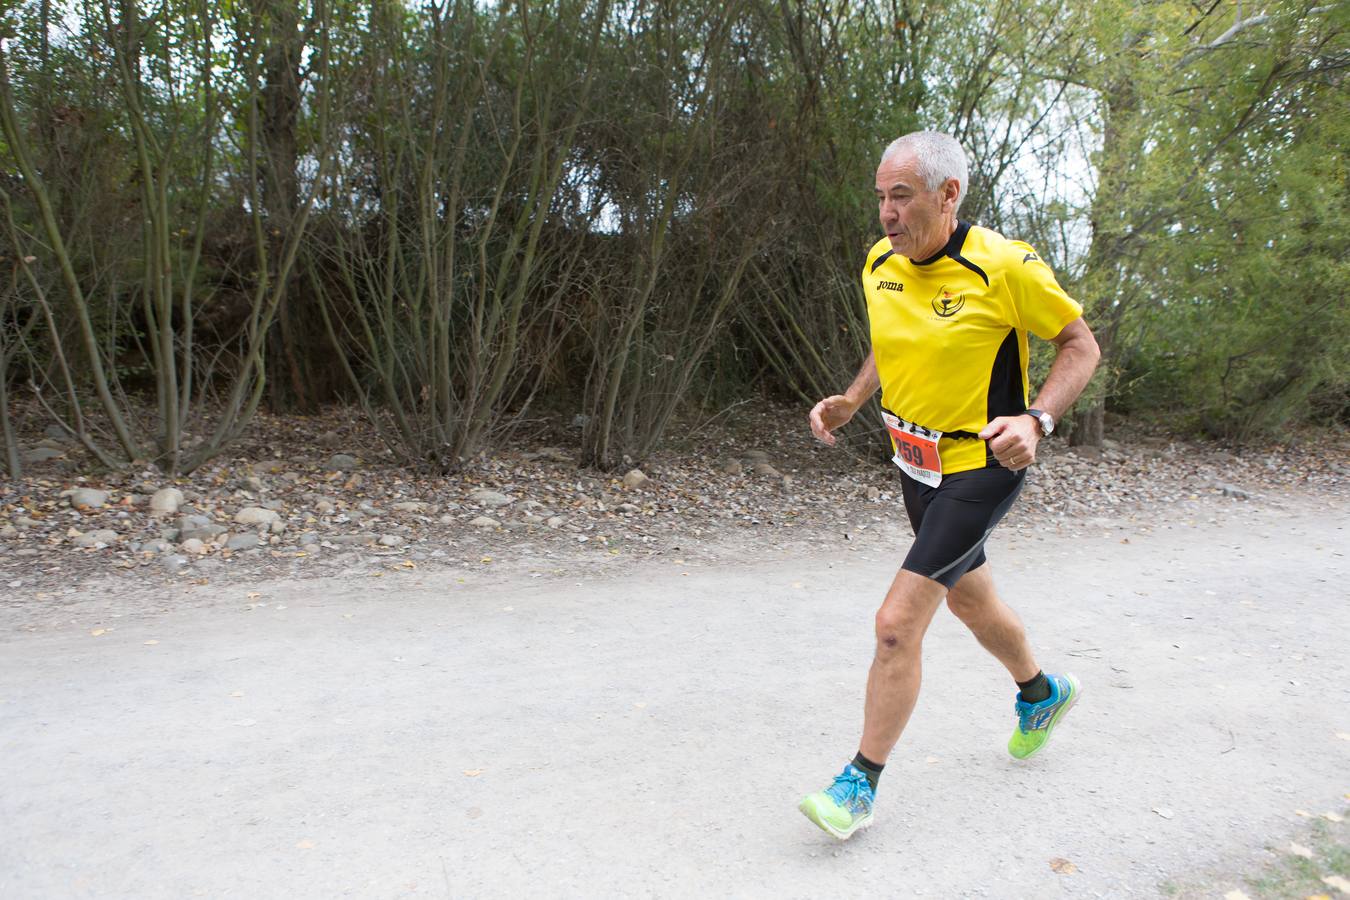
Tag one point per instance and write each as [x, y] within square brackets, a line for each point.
[899, 631]
[905, 614]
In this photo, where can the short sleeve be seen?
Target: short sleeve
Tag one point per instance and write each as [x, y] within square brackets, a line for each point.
[1039, 303]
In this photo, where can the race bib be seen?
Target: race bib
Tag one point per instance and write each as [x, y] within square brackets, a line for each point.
[916, 449]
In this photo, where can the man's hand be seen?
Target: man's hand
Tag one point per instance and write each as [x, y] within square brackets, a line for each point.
[1013, 440]
[834, 412]
[830, 414]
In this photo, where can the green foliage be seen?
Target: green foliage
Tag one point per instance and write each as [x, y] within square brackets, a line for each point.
[1237, 257]
[623, 208]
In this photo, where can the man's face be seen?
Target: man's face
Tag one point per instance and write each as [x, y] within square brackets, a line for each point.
[918, 221]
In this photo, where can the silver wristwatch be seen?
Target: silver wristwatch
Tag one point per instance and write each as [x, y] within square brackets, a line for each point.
[1047, 421]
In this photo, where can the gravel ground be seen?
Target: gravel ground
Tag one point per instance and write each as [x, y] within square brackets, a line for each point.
[314, 497]
[648, 732]
[405, 679]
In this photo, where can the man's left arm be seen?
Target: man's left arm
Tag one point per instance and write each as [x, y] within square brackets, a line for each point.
[1013, 439]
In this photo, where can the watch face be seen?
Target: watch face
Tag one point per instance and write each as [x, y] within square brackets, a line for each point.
[1047, 424]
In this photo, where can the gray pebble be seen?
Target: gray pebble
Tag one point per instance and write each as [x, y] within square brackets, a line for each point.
[165, 502]
[101, 538]
[255, 515]
[86, 498]
[490, 499]
[345, 539]
[341, 462]
[173, 563]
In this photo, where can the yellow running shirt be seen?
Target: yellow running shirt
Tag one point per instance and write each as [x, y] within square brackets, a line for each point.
[950, 334]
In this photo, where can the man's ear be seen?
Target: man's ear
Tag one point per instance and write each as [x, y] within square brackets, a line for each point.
[951, 190]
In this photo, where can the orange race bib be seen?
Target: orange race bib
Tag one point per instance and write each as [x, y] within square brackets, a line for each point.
[916, 449]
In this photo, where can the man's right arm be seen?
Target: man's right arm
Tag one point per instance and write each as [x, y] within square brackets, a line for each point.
[833, 413]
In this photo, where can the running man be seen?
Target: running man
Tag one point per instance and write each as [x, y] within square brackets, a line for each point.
[950, 305]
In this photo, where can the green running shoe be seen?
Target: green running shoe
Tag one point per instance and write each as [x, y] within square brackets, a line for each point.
[843, 807]
[1035, 721]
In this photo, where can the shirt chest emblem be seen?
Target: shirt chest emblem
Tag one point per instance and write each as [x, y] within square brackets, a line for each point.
[946, 303]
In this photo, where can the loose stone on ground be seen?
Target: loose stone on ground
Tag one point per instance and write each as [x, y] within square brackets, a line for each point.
[309, 512]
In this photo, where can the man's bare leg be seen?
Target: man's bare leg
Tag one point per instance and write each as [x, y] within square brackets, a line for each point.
[976, 603]
[998, 629]
[893, 682]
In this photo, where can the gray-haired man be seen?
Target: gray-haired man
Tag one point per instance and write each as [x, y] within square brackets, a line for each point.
[950, 305]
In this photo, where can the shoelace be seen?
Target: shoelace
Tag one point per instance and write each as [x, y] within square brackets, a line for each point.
[847, 785]
[1025, 712]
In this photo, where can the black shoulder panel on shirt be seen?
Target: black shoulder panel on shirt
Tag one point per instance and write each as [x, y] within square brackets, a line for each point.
[1005, 380]
[952, 249]
[881, 259]
[971, 266]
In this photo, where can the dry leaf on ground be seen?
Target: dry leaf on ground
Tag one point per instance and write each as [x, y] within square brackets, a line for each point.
[1338, 883]
[1062, 866]
[1300, 850]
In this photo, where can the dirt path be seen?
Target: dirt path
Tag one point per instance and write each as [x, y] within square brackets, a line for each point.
[649, 733]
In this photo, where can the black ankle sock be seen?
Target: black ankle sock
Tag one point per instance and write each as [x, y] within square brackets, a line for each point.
[870, 769]
[1035, 690]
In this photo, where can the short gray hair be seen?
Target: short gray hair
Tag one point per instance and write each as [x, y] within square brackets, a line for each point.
[939, 157]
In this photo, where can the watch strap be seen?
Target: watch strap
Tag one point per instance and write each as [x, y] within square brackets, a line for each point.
[1036, 414]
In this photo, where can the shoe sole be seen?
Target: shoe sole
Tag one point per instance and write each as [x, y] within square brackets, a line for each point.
[809, 810]
[1050, 729]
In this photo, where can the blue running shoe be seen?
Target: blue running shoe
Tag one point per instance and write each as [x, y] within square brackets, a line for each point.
[843, 807]
[1035, 721]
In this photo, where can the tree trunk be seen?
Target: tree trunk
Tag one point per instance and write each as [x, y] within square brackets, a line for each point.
[13, 463]
[1089, 425]
[280, 116]
[1102, 277]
